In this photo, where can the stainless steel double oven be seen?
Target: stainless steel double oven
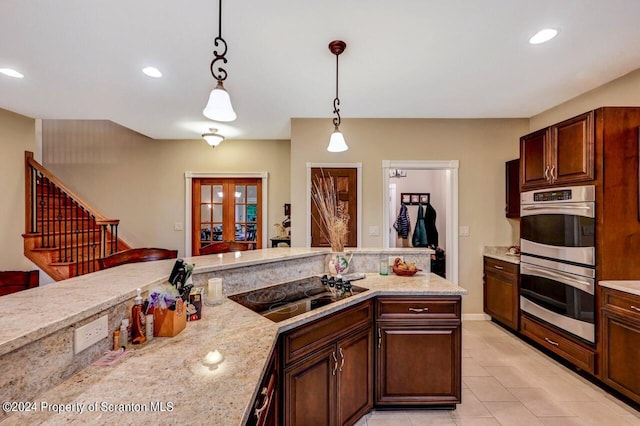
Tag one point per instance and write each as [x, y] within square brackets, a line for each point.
[557, 265]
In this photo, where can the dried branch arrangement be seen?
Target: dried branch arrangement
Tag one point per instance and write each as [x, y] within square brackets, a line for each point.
[333, 219]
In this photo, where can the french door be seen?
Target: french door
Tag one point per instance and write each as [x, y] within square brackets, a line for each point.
[226, 209]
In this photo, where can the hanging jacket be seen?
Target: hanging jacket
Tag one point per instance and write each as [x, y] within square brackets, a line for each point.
[402, 223]
[430, 225]
[420, 232]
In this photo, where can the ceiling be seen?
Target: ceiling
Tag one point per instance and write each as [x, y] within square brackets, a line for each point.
[404, 59]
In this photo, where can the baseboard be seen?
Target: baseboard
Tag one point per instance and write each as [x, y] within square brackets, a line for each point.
[476, 317]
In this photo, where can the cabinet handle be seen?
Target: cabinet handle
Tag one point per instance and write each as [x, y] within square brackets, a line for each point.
[342, 356]
[498, 267]
[379, 338]
[335, 362]
[553, 176]
[635, 308]
[551, 341]
[267, 391]
[546, 173]
[418, 309]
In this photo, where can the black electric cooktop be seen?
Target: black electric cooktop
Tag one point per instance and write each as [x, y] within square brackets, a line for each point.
[283, 301]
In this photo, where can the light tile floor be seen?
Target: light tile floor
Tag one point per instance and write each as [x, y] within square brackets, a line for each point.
[507, 382]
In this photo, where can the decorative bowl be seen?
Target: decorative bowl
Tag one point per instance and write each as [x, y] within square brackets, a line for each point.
[405, 272]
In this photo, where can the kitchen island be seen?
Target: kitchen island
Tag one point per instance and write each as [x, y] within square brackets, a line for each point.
[171, 380]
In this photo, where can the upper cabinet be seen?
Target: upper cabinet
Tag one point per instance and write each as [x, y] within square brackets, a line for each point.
[558, 155]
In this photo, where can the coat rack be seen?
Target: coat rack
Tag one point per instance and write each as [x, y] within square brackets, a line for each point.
[415, 198]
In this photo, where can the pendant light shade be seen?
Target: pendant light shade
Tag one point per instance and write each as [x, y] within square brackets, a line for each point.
[337, 142]
[219, 107]
[212, 138]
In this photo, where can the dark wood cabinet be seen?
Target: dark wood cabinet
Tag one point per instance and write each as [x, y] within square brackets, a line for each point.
[418, 351]
[512, 189]
[266, 406]
[501, 291]
[328, 371]
[559, 155]
[620, 332]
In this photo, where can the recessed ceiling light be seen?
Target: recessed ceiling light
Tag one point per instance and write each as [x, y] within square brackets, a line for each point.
[11, 72]
[152, 72]
[543, 36]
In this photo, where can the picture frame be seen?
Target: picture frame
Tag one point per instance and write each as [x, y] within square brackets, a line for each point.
[393, 173]
[415, 198]
[424, 199]
[401, 172]
[406, 198]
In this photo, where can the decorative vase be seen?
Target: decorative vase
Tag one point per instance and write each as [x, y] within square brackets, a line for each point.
[338, 263]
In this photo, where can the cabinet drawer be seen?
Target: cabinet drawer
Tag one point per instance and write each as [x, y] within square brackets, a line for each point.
[495, 266]
[310, 337]
[578, 355]
[418, 307]
[621, 302]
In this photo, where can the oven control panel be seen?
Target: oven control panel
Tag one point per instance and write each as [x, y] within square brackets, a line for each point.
[558, 195]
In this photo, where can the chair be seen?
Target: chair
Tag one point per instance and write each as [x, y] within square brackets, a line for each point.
[224, 247]
[14, 281]
[136, 255]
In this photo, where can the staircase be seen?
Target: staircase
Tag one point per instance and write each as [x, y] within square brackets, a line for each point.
[64, 236]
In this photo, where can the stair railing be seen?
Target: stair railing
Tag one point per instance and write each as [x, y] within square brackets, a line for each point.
[74, 229]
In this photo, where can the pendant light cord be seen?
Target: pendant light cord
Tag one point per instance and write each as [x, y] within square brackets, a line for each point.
[336, 101]
[220, 73]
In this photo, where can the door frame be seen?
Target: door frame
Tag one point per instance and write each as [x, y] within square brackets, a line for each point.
[189, 176]
[451, 200]
[358, 167]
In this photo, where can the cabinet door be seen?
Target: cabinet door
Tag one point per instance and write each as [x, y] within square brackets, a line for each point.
[534, 159]
[512, 189]
[418, 364]
[572, 150]
[355, 376]
[310, 389]
[620, 355]
[501, 292]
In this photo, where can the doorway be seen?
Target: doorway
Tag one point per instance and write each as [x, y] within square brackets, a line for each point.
[448, 171]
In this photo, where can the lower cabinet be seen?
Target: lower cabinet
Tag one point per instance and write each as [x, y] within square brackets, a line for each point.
[501, 295]
[266, 409]
[620, 328]
[418, 351]
[333, 383]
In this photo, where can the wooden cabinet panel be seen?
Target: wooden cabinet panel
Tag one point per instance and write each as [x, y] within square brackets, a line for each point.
[577, 354]
[413, 308]
[310, 390]
[512, 189]
[534, 159]
[355, 377]
[559, 154]
[573, 150]
[501, 292]
[418, 365]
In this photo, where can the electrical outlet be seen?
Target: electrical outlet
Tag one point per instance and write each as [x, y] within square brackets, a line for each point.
[463, 231]
[91, 333]
[178, 226]
[374, 231]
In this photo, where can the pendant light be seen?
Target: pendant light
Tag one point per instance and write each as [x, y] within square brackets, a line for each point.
[337, 142]
[213, 138]
[219, 106]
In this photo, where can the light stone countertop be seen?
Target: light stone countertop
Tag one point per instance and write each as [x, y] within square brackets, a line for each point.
[500, 253]
[631, 287]
[171, 370]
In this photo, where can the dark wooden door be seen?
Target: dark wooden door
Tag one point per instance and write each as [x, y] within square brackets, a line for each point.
[418, 364]
[310, 389]
[345, 183]
[355, 377]
[534, 159]
[572, 150]
[227, 209]
[512, 189]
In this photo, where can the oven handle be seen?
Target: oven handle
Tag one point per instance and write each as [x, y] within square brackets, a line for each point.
[581, 284]
[579, 209]
[562, 207]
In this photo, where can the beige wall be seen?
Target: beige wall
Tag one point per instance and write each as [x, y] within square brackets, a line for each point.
[141, 181]
[481, 146]
[17, 135]
[624, 91]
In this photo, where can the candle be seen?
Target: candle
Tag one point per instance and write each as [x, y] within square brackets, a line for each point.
[215, 289]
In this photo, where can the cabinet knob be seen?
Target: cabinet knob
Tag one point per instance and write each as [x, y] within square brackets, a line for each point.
[418, 309]
[551, 342]
[546, 173]
[335, 363]
[341, 356]
[379, 338]
[498, 267]
[553, 176]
